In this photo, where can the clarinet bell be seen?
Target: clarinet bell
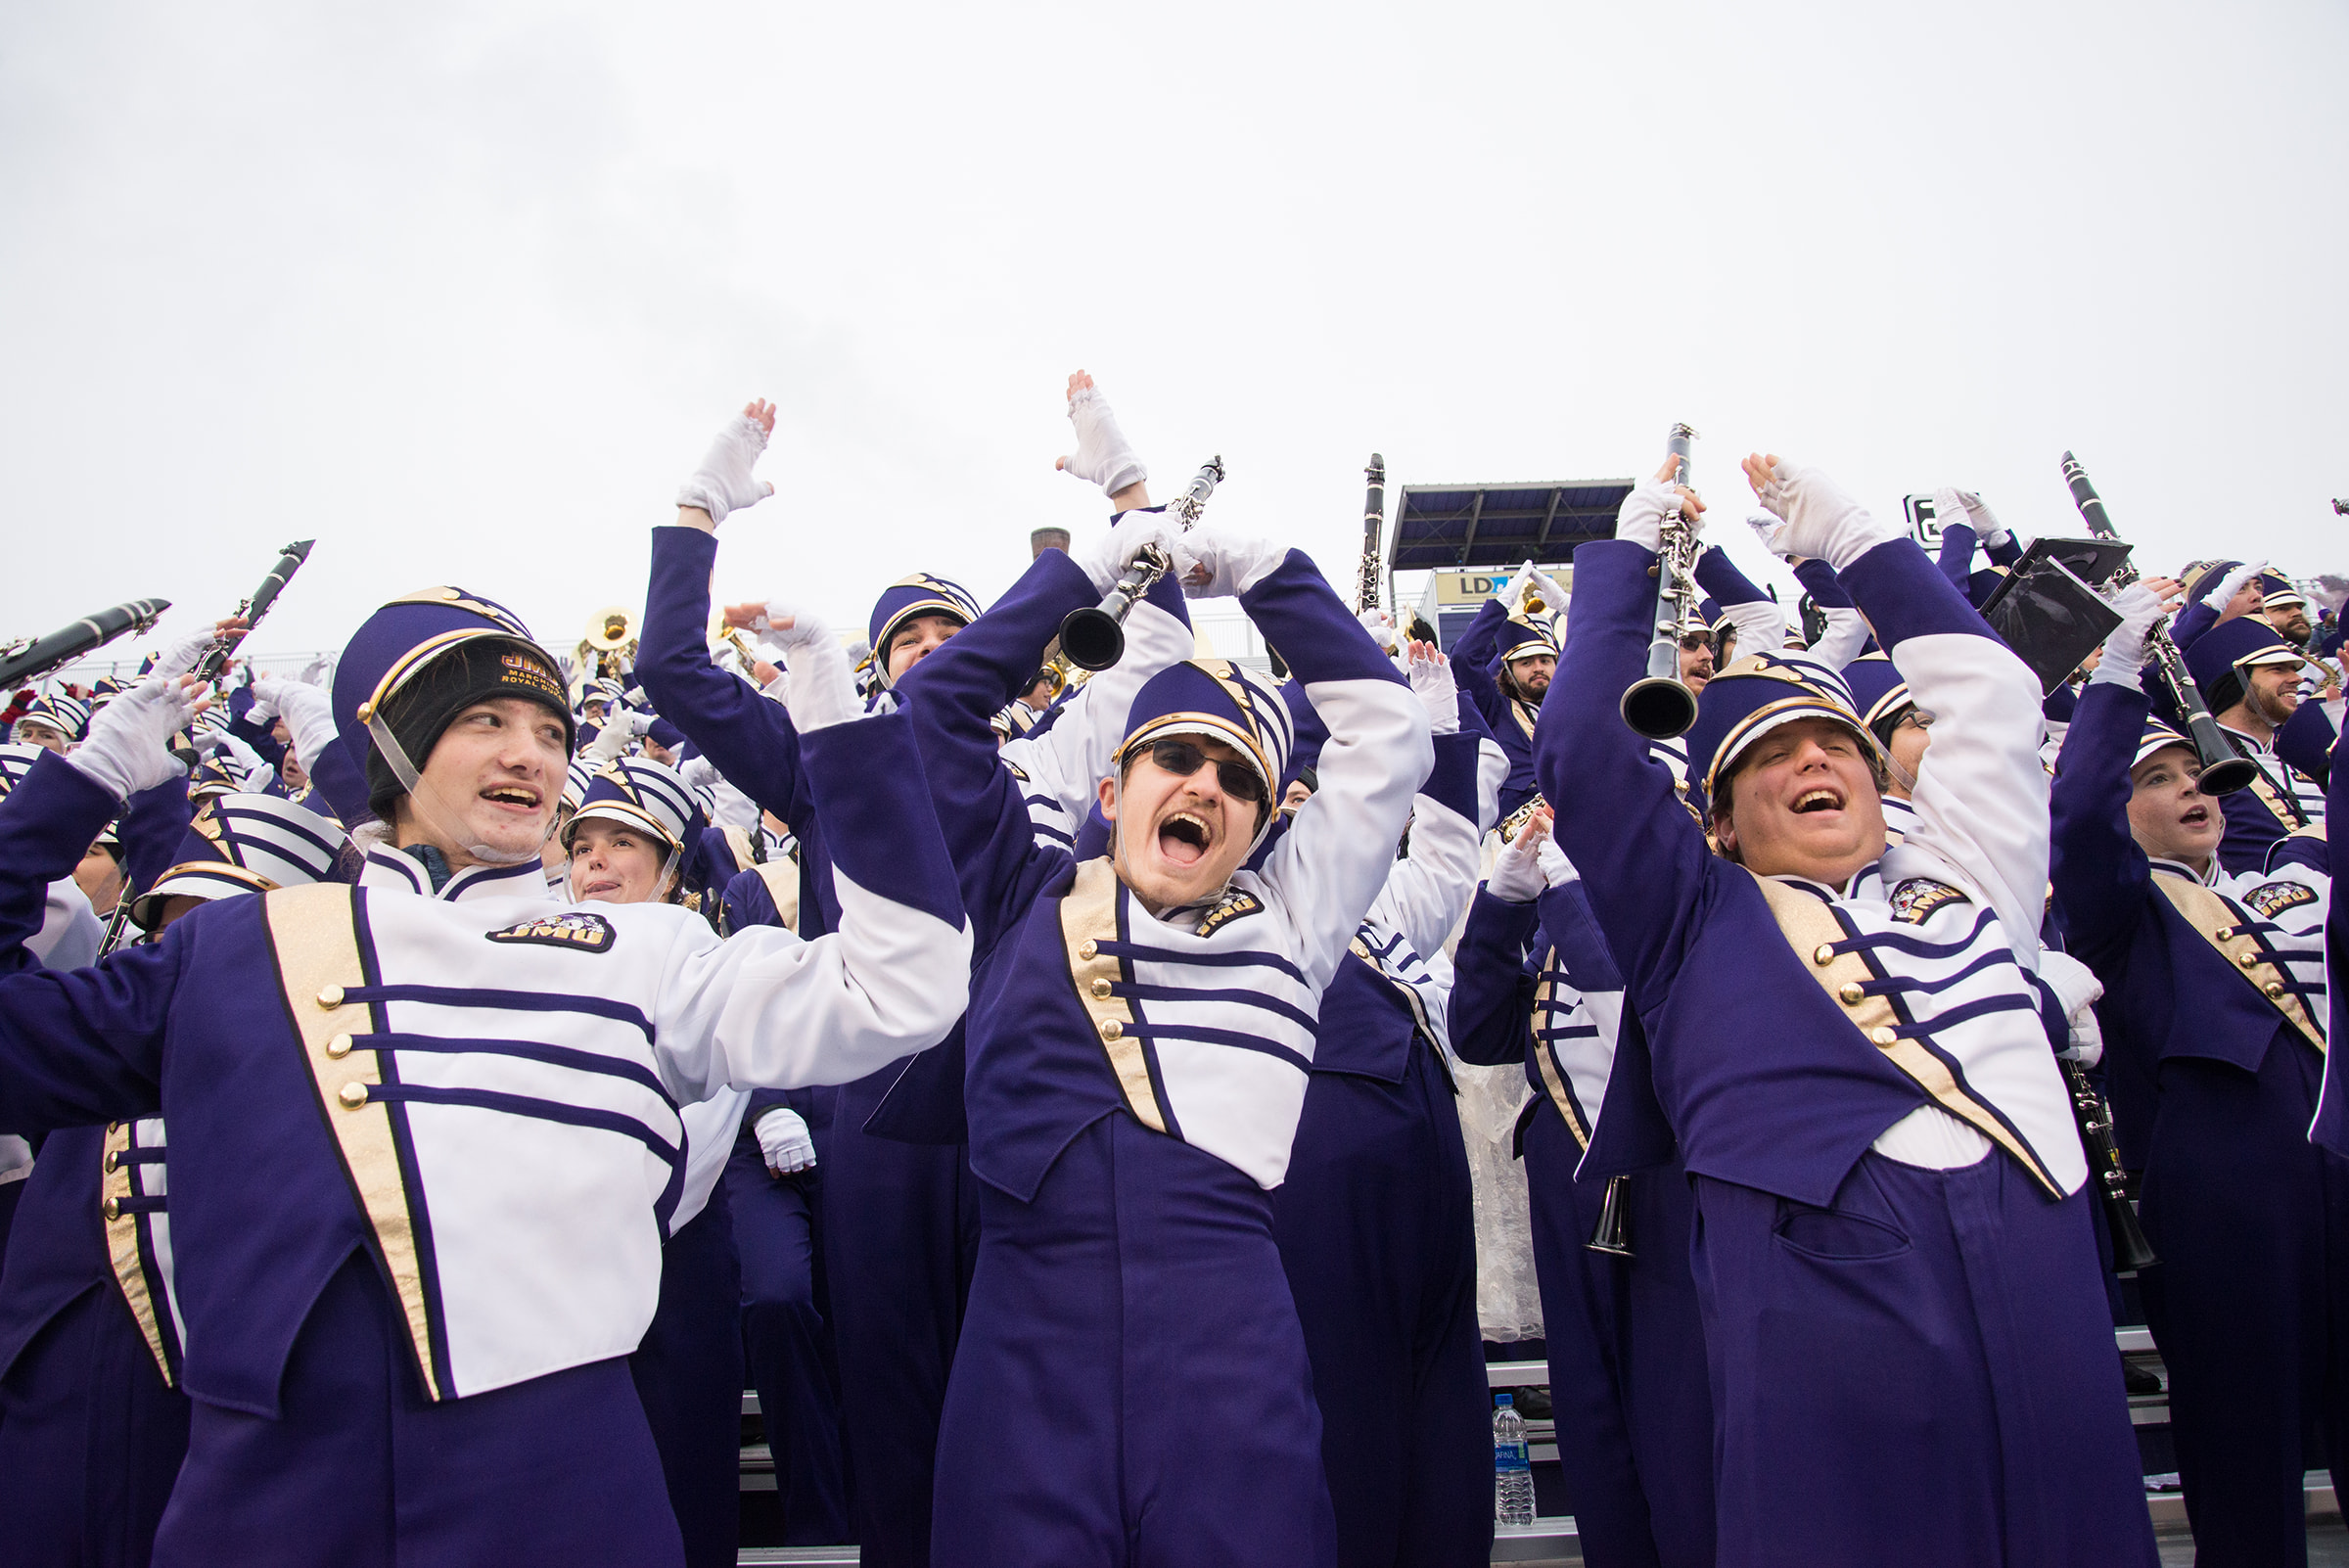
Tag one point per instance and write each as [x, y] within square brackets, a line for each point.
[1092, 638]
[1659, 708]
[2225, 775]
[2130, 1249]
[1611, 1235]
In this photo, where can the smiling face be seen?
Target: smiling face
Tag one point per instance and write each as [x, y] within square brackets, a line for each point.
[1179, 837]
[1802, 801]
[2170, 818]
[2273, 691]
[612, 863]
[494, 777]
[916, 639]
[1696, 662]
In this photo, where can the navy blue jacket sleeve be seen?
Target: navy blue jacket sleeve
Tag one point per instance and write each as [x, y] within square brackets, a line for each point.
[1492, 993]
[951, 695]
[2193, 623]
[748, 737]
[1642, 856]
[1818, 579]
[2101, 878]
[1957, 559]
[83, 1045]
[1719, 577]
[2305, 741]
[1472, 653]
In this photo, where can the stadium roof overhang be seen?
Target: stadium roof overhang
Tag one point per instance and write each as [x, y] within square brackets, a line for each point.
[1452, 528]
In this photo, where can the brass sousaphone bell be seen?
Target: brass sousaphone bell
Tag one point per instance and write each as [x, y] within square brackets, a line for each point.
[610, 643]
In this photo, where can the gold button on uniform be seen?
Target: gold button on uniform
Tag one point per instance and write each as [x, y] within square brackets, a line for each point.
[112, 1208]
[1824, 956]
[1088, 949]
[338, 1047]
[2224, 933]
[330, 997]
[1885, 1035]
[1111, 1029]
[352, 1095]
[2274, 989]
[111, 1162]
[1852, 992]
[1102, 988]
[2249, 960]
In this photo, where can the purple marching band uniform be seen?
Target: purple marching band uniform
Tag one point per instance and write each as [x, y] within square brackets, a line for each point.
[1535, 983]
[1131, 1383]
[1908, 1339]
[1376, 1221]
[1478, 656]
[426, 1146]
[2214, 1013]
[901, 1217]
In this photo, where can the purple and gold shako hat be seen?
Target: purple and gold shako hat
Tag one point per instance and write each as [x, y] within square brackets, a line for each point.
[244, 842]
[440, 649]
[1756, 695]
[1225, 702]
[920, 594]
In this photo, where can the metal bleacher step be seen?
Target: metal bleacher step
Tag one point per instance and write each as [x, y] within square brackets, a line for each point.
[1550, 1540]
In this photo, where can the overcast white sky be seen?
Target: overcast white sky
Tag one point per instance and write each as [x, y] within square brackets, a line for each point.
[462, 289]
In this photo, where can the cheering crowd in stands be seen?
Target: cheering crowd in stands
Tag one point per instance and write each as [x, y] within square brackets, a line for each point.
[437, 1086]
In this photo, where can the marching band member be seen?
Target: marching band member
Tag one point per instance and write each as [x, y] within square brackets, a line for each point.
[2251, 679]
[1533, 983]
[418, 1203]
[1376, 1220]
[2215, 1016]
[55, 721]
[1889, 1195]
[1131, 1381]
[1505, 660]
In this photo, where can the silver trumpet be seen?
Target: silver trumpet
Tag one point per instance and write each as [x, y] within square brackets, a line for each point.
[1093, 636]
[1659, 705]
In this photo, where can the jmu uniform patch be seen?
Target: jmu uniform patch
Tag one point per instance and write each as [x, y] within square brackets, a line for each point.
[1914, 900]
[2271, 898]
[573, 928]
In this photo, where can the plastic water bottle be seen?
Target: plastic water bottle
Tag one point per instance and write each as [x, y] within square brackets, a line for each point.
[1512, 1466]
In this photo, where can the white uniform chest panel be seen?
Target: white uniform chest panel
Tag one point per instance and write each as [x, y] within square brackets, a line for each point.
[2285, 910]
[1230, 1025]
[539, 1135]
[1944, 962]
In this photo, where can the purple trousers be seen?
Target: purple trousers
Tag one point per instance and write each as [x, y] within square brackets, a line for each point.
[360, 1470]
[1921, 1374]
[1132, 1386]
[90, 1442]
[1627, 1361]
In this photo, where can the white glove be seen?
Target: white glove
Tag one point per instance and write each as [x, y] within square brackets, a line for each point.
[1218, 563]
[818, 686]
[129, 744]
[621, 726]
[1518, 875]
[785, 1141]
[1512, 592]
[1556, 869]
[1103, 456]
[1768, 530]
[182, 657]
[1984, 522]
[2232, 584]
[262, 710]
[698, 773]
[309, 713]
[2076, 990]
[1551, 594]
[1106, 556]
[1822, 520]
[252, 773]
[1432, 683]
[1641, 518]
[724, 479]
[1381, 626]
[2140, 610]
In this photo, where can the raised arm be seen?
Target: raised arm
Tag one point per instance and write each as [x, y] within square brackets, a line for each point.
[1760, 621]
[2099, 874]
[1427, 890]
[1333, 859]
[1643, 856]
[1981, 796]
[1492, 992]
[1847, 630]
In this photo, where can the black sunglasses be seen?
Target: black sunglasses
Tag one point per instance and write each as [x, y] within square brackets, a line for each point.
[1182, 759]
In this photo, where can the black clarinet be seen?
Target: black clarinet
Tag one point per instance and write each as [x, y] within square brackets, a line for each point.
[33, 659]
[1374, 523]
[251, 611]
[2130, 1248]
[2223, 770]
[1093, 636]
